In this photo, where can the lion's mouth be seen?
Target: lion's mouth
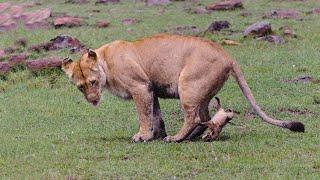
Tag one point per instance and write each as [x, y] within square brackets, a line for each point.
[95, 102]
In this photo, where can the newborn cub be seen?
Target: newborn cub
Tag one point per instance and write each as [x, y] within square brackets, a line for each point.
[217, 122]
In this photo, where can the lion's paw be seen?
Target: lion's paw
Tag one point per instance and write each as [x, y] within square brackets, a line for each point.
[172, 139]
[139, 137]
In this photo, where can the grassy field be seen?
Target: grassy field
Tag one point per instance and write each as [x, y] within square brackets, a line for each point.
[48, 131]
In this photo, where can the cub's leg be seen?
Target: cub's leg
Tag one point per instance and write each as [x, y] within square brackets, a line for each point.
[143, 99]
[204, 117]
[159, 130]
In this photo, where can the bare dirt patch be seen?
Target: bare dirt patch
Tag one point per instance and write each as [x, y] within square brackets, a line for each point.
[297, 112]
[302, 79]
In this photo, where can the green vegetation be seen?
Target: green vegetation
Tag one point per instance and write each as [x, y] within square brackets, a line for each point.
[47, 130]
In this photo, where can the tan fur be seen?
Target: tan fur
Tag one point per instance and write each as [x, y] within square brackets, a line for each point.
[162, 66]
[217, 122]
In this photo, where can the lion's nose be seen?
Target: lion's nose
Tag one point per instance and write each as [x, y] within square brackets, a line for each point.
[91, 97]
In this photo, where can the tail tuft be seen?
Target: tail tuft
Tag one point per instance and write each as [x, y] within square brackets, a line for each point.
[295, 126]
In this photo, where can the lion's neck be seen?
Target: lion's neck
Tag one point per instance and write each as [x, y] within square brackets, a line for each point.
[103, 69]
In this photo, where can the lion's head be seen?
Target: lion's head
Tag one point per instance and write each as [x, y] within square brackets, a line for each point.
[86, 75]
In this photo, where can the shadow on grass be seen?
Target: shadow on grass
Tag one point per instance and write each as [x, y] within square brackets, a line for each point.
[223, 137]
[127, 139]
[113, 139]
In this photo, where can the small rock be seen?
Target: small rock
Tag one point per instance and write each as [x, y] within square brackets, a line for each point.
[258, 29]
[10, 50]
[96, 11]
[301, 79]
[18, 59]
[283, 14]
[29, 4]
[186, 30]
[245, 13]
[21, 42]
[107, 1]
[316, 10]
[102, 24]
[129, 21]
[287, 31]
[316, 100]
[156, 2]
[4, 67]
[64, 41]
[225, 5]
[36, 19]
[2, 54]
[4, 6]
[59, 42]
[273, 39]
[31, 20]
[58, 14]
[218, 25]
[51, 62]
[129, 30]
[230, 42]
[16, 11]
[201, 10]
[67, 22]
[77, 1]
[38, 47]
[6, 22]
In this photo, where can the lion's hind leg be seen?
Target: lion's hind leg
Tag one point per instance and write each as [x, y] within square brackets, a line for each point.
[204, 117]
[159, 130]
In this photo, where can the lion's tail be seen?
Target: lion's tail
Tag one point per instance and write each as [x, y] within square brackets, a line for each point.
[292, 125]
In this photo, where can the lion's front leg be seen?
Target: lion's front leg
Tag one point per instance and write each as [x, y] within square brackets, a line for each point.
[143, 99]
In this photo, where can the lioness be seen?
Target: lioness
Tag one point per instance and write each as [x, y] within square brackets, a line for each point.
[162, 66]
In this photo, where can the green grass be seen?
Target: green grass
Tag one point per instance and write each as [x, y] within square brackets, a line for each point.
[47, 130]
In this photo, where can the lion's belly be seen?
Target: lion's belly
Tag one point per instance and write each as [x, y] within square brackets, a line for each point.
[164, 90]
[164, 77]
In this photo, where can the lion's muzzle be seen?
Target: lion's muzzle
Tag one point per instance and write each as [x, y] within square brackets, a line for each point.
[93, 98]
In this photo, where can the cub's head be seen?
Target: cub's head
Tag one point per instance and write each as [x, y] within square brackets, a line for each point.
[86, 75]
[217, 122]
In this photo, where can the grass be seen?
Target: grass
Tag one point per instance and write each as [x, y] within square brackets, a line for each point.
[48, 131]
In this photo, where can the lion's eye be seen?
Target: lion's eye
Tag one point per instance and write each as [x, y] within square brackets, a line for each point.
[81, 88]
[93, 83]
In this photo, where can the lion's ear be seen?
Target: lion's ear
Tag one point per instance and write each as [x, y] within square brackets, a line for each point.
[230, 115]
[217, 104]
[67, 66]
[92, 54]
